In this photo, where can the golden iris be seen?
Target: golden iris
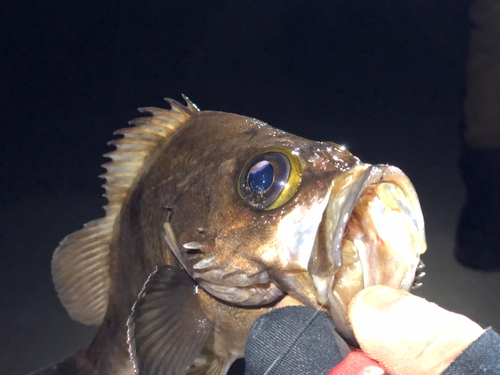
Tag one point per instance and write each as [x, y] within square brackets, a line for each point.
[270, 178]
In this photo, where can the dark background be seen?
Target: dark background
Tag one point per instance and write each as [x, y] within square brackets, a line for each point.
[383, 77]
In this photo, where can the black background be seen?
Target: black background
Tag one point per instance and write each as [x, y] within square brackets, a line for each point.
[383, 77]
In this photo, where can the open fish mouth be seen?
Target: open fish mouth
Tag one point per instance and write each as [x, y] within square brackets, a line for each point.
[371, 233]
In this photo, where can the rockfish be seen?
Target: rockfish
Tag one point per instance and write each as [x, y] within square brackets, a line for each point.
[212, 219]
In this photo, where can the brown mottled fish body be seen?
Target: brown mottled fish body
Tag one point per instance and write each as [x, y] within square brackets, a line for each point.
[191, 252]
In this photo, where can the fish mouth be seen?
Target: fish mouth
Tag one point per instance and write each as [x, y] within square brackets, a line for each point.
[371, 233]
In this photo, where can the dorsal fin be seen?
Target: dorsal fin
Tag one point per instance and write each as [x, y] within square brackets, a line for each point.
[80, 265]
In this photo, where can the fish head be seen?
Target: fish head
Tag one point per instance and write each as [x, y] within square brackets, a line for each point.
[260, 213]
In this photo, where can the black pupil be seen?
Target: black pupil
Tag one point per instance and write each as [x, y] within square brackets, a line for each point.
[261, 177]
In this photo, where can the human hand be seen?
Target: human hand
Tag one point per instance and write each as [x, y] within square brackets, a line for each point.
[407, 334]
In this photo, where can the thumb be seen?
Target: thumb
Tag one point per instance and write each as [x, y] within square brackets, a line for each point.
[407, 334]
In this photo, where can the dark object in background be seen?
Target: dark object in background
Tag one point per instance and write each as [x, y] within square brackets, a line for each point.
[478, 233]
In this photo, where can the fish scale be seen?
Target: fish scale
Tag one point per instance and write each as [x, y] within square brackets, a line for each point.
[197, 244]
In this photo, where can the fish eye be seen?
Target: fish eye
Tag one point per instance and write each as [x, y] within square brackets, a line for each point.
[260, 177]
[270, 179]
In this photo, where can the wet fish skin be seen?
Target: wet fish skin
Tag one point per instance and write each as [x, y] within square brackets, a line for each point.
[182, 209]
[196, 180]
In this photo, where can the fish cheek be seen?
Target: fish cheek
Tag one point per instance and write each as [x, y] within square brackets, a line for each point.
[208, 209]
[240, 228]
[227, 212]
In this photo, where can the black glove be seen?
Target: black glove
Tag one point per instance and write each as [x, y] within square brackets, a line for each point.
[293, 340]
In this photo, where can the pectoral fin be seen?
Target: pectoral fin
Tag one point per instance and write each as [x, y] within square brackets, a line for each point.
[167, 327]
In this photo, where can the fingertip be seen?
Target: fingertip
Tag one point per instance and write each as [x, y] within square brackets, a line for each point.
[375, 299]
[371, 313]
[398, 329]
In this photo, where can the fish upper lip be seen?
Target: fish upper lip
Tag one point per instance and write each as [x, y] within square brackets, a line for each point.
[325, 262]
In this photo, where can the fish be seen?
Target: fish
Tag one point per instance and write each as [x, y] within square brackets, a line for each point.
[212, 218]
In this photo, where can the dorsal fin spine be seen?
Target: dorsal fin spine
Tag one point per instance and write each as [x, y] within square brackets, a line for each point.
[80, 265]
